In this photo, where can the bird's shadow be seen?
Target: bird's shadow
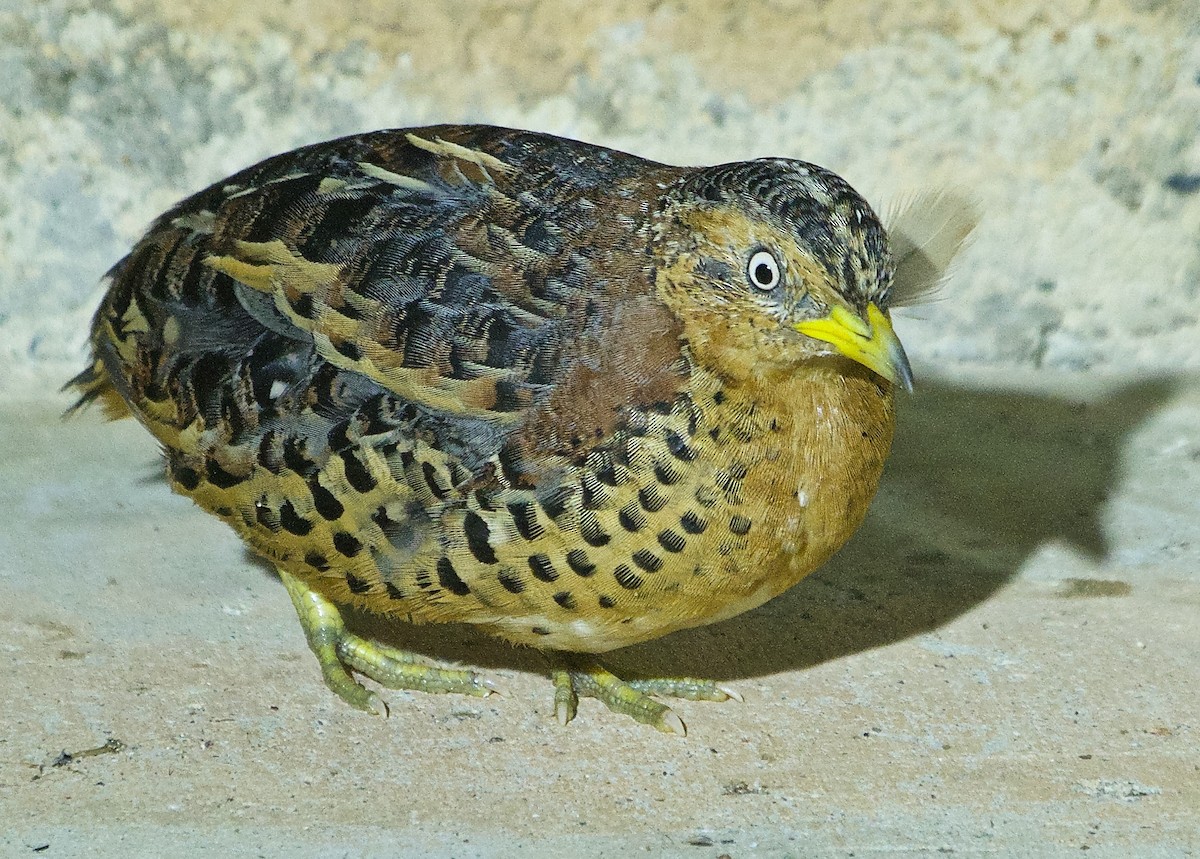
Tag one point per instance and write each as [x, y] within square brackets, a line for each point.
[978, 480]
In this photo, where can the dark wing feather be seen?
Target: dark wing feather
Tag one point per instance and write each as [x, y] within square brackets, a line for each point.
[467, 272]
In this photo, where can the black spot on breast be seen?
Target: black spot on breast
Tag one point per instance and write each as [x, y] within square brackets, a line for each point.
[631, 518]
[679, 448]
[357, 474]
[651, 499]
[564, 599]
[393, 592]
[592, 493]
[539, 630]
[219, 477]
[739, 525]
[186, 477]
[627, 578]
[479, 539]
[577, 560]
[589, 528]
[692, 523]
[606, 601]
[525, 519]
[317, 561]
[607, 474]
[325, 502]
[718, 397]
[647, 560]
[347, 544]
[339, 436]
[730, 484]
[542, 569]
[665, 476]
[510, 581]
[555, 503]
[357, 585]
[449, 579]
[295, 457]
[429, 472]
[670, 540]
[292, 521]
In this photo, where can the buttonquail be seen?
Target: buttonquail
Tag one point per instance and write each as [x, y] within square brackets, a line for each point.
[471, 374]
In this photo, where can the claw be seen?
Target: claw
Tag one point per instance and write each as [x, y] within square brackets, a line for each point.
[493, 687]
[672, 724]
[377, 706]
[730, 692]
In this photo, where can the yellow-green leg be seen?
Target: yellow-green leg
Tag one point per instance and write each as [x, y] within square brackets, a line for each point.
[587, 677]
[337, 650]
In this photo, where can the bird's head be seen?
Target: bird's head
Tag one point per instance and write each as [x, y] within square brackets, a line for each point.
[774, 263]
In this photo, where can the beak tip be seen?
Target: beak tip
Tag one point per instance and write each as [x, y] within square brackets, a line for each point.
[902, 369]
[871, 341]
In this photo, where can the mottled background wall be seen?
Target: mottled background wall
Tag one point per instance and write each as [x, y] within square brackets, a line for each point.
[1076, 130]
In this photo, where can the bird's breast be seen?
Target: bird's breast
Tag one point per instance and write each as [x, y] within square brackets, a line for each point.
[731, 501]
[811, 450]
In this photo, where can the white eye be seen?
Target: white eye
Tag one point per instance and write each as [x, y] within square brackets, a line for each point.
[763, 270]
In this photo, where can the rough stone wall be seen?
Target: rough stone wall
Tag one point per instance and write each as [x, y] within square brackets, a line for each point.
[1077, 132]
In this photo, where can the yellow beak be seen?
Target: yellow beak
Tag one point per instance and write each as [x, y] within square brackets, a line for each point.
[872, 343]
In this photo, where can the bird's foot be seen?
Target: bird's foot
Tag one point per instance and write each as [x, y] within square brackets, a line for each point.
[338, 650]
[586, 677]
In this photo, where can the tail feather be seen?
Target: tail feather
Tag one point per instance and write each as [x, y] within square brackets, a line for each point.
[94, 384]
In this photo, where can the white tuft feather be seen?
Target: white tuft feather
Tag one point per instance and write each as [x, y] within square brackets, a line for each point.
[927, 231]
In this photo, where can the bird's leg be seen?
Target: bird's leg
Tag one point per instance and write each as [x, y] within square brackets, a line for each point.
[584, 676]
[337, 649]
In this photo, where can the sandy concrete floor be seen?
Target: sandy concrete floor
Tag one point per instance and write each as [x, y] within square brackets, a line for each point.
[1005, 660]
